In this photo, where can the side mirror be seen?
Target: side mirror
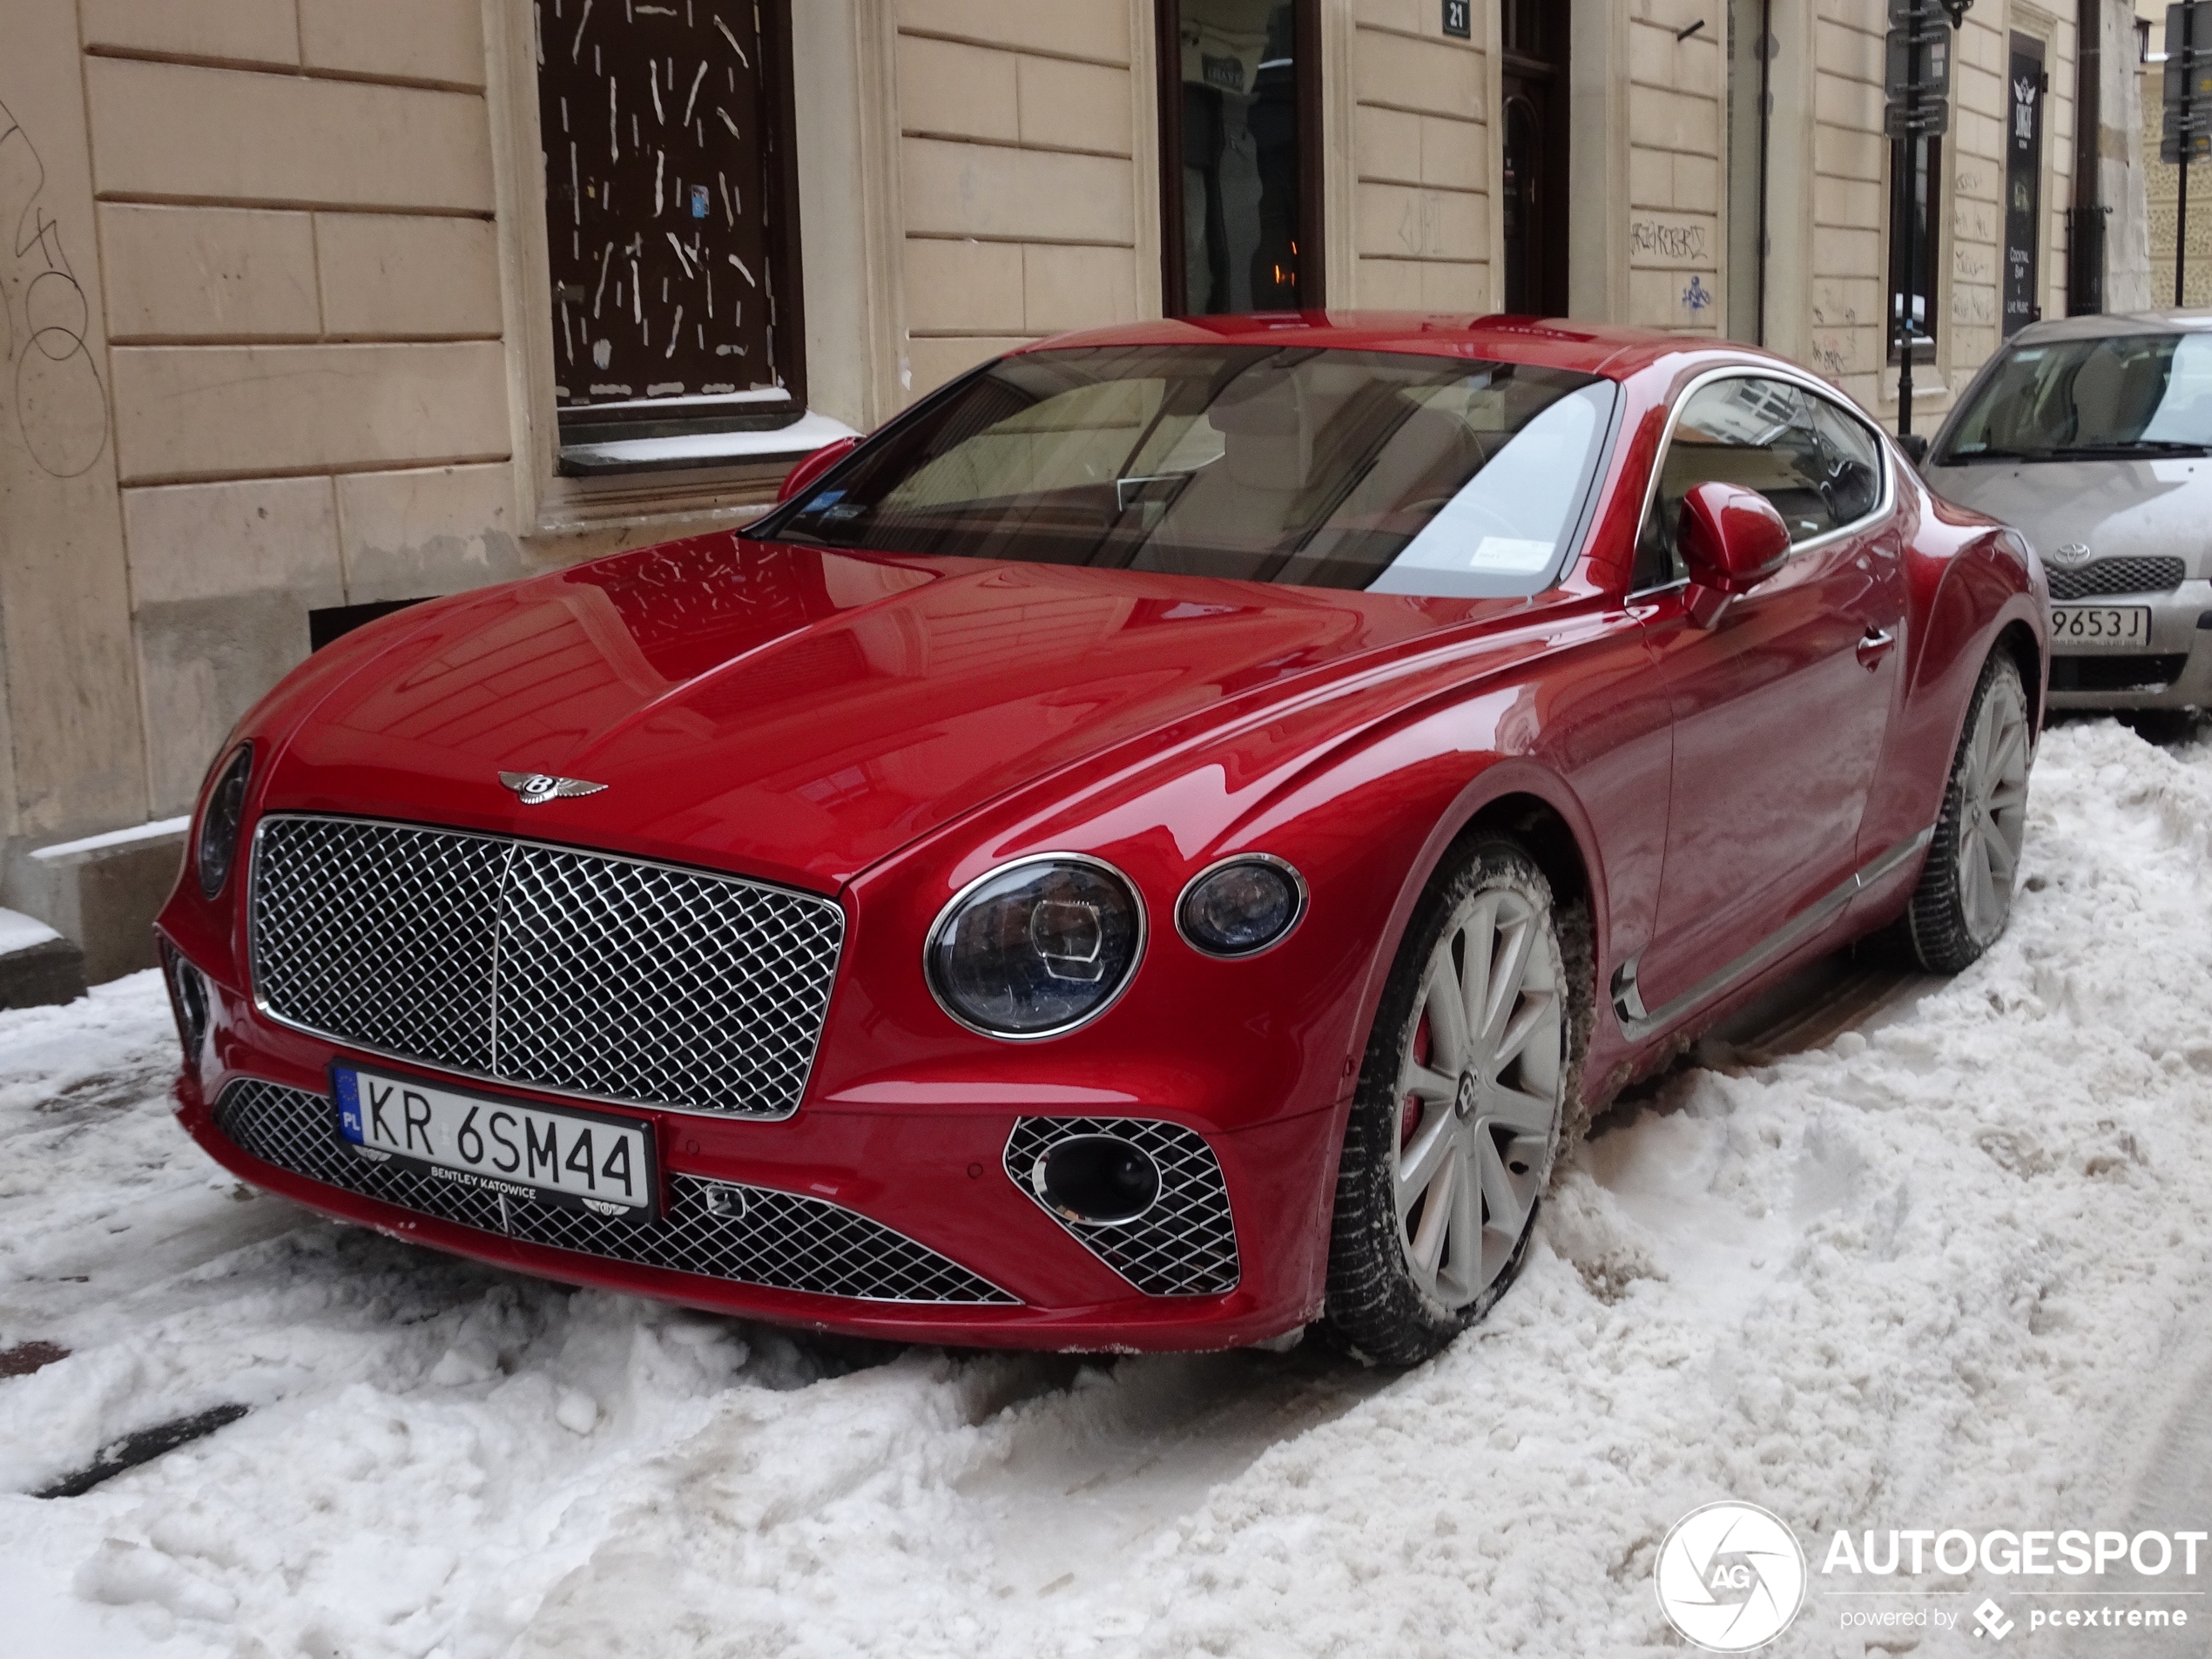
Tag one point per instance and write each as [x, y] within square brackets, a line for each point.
[797, 479]
[1731, 539]
[1916, 448]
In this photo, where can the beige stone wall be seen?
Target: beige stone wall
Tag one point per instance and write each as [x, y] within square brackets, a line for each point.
[1027, 203]
[74, 759]
[1849, 210]
[1422, 162]
[1677, 128]
[303, 300]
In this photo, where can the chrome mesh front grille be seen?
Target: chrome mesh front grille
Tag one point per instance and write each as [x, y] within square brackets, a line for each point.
[640, 983]
[2117, 576]
[717, 1230]
[1185, 1244]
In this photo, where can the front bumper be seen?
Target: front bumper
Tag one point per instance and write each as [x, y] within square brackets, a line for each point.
[2174, 673]
[884, 1224]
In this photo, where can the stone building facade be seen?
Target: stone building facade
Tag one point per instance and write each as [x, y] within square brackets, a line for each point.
[305, 298]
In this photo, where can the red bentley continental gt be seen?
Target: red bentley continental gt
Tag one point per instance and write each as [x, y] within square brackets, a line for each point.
[1163, 843]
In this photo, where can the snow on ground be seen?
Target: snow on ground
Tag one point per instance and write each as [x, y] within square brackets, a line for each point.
[1945, 1271]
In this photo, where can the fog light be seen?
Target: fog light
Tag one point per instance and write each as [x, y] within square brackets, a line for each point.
[1096, 1180]
[1241, 905]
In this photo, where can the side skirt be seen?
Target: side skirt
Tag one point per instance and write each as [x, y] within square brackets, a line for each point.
[1638, 1024]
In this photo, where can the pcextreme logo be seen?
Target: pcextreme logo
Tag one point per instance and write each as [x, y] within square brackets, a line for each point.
[1731, 1577]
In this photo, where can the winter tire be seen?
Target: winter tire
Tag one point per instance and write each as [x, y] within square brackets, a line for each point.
[1966, 891]
[1471, 1083]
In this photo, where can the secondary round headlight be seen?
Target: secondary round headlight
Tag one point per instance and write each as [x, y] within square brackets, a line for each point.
[217, 848]
[1242, 906]
[1037, 948]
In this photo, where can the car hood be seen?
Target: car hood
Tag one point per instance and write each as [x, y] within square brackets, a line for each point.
[2115, 508]
[794, 712]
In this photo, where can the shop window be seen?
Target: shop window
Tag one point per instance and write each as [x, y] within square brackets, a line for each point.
[1916, 168]
[672, 229]
[2027, 86]
[1240, 155]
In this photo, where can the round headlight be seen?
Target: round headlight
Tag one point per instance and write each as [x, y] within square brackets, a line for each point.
[1242, 906]
[217, 848]
[1037, 948]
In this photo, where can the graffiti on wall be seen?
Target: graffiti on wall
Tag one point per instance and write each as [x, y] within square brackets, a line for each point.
[58, 401]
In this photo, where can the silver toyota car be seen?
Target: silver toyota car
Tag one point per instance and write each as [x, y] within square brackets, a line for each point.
[2093, 437]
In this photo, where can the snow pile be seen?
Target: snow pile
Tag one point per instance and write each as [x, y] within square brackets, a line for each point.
[1942, 1272]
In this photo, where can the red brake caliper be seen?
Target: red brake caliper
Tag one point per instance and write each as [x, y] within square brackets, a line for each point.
[1409, 1108]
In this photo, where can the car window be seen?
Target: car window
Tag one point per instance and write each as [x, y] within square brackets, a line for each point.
[1394, 472]
[1853, 456]
[1078, 437]
[1819, 467]
[2122, 396]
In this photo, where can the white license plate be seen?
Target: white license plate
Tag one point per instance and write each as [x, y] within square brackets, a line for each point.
[592, 1159]
[2079, 629]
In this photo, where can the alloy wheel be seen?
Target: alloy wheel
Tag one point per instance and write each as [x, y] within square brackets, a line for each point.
[1479, 1093]
[1993, 809]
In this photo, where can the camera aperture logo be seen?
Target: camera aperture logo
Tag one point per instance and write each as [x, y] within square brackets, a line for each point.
[1731, 1577]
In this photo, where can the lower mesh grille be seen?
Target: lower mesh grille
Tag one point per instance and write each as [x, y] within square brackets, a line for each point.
[2151, 575]
[1185, 1244]
[717, 1230]
[2116, 673]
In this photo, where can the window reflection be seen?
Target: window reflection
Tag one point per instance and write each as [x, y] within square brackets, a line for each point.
[1240, 166]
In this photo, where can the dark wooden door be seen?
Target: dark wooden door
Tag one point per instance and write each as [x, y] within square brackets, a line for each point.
[1534, 121]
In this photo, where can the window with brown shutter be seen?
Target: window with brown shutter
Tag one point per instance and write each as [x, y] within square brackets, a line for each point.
[672, 219]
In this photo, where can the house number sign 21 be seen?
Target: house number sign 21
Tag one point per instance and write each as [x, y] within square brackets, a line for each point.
[1458, 19]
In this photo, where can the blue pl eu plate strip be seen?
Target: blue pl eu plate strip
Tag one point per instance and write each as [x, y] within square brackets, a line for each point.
[348, 1084]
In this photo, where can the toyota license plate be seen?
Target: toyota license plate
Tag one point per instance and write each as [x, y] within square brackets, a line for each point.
[2078, 630]
[590, 1160]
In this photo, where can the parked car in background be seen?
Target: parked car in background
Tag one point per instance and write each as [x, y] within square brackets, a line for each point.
[2094, 435]
[1164, 842]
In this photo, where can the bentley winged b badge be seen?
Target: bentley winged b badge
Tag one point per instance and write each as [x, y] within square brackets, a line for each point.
[536, 788]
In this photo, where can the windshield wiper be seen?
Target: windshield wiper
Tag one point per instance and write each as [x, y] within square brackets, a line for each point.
[2123, 448]
[1963, 457]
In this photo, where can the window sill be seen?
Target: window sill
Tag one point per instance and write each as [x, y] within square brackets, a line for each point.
[785, 446]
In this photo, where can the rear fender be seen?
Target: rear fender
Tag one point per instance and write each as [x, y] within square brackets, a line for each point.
[1972, 585]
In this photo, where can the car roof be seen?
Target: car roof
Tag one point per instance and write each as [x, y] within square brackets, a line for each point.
[2107, 325]
[1595, 348]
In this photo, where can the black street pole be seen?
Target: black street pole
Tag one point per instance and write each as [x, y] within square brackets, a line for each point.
[2182, 212]
[2184, 118]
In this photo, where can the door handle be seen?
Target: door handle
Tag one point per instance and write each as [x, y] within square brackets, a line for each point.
[1875, 646]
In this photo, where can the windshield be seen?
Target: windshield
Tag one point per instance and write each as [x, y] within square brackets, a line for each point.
[1319, 468]
[2131, 395]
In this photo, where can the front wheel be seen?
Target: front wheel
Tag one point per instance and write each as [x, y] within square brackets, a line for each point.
[1463, 1103]
[1964, 895]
